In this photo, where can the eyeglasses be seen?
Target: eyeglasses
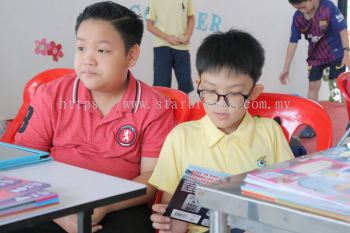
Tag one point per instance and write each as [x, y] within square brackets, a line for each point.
[233, 100]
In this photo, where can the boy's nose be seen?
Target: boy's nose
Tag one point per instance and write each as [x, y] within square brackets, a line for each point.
[221, 102]
[89, 60]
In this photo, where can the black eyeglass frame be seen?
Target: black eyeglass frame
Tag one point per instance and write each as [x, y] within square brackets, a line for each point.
[245, 97]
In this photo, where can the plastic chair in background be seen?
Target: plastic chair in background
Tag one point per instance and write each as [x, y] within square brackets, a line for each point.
[290, 111]
[343, 82]
[28, 93]
[181, 103]
[182, 112]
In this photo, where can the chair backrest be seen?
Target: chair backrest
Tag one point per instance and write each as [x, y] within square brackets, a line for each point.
[181, 103]
[182, 112]
[290, 111]
[28, 93]
[343, 82]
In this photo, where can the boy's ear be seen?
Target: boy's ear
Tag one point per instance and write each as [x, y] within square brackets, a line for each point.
[133, 55]
[197, 81]
[257, 90]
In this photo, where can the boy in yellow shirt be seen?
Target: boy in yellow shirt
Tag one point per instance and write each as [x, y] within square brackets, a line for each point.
[227, 138]
[172, 22]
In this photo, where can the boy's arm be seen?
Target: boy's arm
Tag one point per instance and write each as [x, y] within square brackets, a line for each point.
[284, 76]
[36, 130]
[70, 224]
[147, 166]
[188, 34]
[345, 42]
[155, 31]
[165, 223]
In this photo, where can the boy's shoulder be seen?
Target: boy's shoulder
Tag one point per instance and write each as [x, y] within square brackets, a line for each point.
[149, 92]
[152, 102]
[60, 85]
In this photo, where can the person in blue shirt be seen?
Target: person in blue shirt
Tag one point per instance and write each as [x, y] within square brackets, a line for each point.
[325, 28]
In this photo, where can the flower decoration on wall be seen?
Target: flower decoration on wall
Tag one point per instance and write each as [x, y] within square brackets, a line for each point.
[41, 47]
[55, 51]
[48, 49]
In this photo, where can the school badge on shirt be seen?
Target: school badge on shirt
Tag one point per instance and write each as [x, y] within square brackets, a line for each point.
[323, 24]
[261, 162]
[126, 135]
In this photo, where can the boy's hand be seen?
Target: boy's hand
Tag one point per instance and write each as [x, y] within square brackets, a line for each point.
[70, 224]
[165, 224]
[185, 39]
[98, 215]
[173, 40]
[346, 60]
[158, 220]
[284, 76]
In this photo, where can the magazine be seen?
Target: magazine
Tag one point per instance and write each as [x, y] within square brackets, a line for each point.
[18, 195]
[320, 181]
[184, 205]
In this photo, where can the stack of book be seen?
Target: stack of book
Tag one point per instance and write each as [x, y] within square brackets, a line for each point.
[319, 183]
[17, 195]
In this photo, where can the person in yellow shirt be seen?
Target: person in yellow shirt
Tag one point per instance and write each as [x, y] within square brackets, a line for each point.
[227, 139]
[172, 22]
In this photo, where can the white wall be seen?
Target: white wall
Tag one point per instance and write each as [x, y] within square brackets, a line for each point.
[23, 22]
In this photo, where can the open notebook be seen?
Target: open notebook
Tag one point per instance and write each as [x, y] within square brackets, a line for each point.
[13, 156]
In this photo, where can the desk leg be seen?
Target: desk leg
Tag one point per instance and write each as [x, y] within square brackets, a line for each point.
[218, 222]
[84, 221]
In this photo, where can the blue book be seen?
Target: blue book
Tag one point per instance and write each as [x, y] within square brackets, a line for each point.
[13, 156]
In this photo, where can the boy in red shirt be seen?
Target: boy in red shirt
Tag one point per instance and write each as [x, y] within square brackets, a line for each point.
[102, 118]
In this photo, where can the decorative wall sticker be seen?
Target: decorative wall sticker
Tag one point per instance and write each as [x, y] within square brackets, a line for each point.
[55, 51]
[48, 49]
[41, 47]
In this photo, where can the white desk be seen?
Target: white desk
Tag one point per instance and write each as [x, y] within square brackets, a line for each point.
[79, 190]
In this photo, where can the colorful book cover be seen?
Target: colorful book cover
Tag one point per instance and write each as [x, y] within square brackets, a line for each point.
[6, 181]
[29, 206]
[184, 205]
[17, 195]
[11, 188]
[324, 180]
[34, 197]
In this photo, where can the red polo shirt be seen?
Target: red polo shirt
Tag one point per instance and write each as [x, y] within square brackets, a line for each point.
[65, 121]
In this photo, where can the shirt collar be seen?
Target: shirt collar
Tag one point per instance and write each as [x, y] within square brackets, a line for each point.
[129, 103]
[81, 95]
[244, 132]
[131, 99]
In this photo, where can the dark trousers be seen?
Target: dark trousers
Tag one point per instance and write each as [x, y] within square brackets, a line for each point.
[131, 220]
[166, 59]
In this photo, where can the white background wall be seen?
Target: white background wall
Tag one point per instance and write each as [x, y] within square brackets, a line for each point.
[23, 22]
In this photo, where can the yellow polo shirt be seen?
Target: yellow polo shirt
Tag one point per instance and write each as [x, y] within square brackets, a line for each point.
[256, 142]
[170, 16]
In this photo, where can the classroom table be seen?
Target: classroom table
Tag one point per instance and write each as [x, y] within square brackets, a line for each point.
[80, 191]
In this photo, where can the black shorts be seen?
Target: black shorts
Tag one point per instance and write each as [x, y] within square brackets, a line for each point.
[335, 69]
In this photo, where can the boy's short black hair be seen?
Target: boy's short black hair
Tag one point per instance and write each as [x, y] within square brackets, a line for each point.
[295, 2]
[234, 50]
[126, 22]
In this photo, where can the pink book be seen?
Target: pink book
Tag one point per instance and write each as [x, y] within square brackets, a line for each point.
[316, 177]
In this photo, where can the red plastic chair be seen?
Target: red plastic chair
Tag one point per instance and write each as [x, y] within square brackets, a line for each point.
[28, 93]
[291, 111]
[343, 82]
[182, 112]
[181, 105]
